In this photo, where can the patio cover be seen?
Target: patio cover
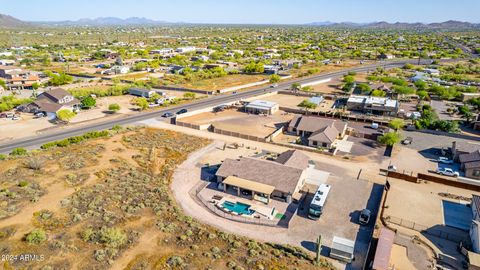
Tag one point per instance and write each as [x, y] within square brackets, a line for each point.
[384, 249]
[249, 185]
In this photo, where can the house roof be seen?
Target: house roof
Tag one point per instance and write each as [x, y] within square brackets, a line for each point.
[45, 105]
[328, 134]
[261, 104]
[313, 124]
[293, 158]
[466, 147]
[249, 185]
[471, 157]
[283, 178]
[55, 94]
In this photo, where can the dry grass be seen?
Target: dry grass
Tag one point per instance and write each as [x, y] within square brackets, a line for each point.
[113, 209]
[224, 82]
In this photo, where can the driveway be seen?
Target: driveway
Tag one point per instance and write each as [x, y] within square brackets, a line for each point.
[348, 197]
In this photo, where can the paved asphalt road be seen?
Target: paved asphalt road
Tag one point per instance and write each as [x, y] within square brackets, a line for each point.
[38, 140]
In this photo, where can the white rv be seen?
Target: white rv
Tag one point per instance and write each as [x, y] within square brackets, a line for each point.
[318, 202]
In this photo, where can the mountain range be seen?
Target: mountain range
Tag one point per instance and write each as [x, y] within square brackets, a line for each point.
[7, 21]
[399, 25]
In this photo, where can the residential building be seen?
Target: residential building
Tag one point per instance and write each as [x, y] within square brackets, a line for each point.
[146, 93]
[270, 69]
[6, 62]
[470, 164]
[316, 131]
[281, 179]
[186, 49]
[373, 105]
[461, 147]
[262, 107]
[432, 71]
[16, 78]
[52, 101]
[165, 52]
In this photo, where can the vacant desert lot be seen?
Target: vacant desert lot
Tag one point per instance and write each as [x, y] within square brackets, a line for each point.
[237, 121]
[106, 204]
[291, 101]
[224, 82]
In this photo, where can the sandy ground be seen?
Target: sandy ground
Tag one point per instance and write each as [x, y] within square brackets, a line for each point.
[399, 258]
[331, 87]
[101, 109]
[26, 126]
[291, 101]
[235, 121]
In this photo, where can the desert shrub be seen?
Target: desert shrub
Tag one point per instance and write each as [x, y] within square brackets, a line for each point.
[34, 163]
[23, 183]
[76, 139]
[3, 156]
[112, 237]
[37, 236]
[19, 152]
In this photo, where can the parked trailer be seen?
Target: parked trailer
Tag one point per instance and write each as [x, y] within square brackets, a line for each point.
[318, 202]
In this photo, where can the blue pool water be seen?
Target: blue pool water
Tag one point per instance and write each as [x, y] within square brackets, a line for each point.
[239, 208]
[457, 215]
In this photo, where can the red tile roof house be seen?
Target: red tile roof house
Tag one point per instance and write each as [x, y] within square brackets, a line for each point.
[316, 131]
[52, 101]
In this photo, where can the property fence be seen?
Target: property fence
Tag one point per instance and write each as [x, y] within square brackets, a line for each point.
[221, 213]
[453, 182]
[188, 125]
[457, 238]
[238, 135]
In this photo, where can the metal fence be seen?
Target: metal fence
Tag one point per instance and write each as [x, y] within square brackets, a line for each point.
[219, 212]
[425, 229]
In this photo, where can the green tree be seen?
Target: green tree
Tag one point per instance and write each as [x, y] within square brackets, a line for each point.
[306, 104]
[3, 84]
[114, 107]
[296, 86]
[307, 88]
[141, 102]
[422, 94]
[390, 139]
[89, 102]
[378, 93]
[37, 236]
[275, 78]
[396, 124]
[189, 95]
[348, 79]
[65, 115]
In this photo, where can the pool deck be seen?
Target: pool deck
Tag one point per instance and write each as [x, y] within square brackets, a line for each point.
[261, 210]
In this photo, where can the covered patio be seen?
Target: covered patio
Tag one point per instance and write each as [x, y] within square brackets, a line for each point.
[259, 192]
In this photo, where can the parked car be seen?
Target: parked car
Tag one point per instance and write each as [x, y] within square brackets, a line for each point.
[182, 111]
[364, 217]
[374, 125]
[10, 114]
[274, 85]
[445, 160]
[167, 115]
[39, 115]
[407, 140]
[3, 115]
[392, 168]
[16, 117]
[447, 172]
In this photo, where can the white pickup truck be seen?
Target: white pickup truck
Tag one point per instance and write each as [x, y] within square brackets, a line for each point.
[447, 172]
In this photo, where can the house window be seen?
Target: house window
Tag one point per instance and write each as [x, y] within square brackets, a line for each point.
[476, 173]
[315, 143]
[324, 145]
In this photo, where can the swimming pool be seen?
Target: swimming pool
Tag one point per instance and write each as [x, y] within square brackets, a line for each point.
[457, 215]
[239, 208]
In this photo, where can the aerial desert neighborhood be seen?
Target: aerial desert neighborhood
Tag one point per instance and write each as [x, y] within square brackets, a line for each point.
[240, 135]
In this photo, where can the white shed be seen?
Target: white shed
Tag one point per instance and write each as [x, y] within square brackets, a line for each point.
[342, 249]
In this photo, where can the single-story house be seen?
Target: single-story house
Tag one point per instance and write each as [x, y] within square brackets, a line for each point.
[470, 164]
[52, 101]
[461, 147]
[264, 179]
[146, 93]
[270, 69]
[262, 107]
[374, 105]
[318, 132]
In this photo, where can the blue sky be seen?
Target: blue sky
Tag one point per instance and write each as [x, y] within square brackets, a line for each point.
[248, 11]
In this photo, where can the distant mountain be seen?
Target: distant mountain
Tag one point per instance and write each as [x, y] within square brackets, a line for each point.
[7, 21]
[106, 21]
[401, 25]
